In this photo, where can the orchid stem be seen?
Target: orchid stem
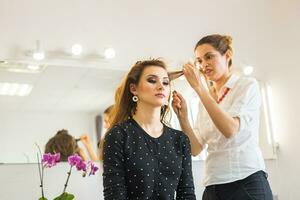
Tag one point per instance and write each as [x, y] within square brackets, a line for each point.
[66, 184]
[41, 174]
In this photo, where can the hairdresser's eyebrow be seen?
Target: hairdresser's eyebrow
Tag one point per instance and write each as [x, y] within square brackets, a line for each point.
[207, 53]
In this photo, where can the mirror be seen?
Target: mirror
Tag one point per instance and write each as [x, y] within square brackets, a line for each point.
[69, 90]
[61, 98]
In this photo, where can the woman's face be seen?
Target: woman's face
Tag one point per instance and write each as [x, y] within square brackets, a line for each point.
[106, 123]
[153, 87]
[213, 64]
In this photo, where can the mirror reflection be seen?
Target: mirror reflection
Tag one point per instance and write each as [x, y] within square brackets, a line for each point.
[71, 98]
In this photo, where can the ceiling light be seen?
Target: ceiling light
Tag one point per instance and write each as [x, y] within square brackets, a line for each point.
[16, 70]
[248, 70]
[15, 89]
[109, 53]
[22, 67]
[33, 67]
[38, 54]
[76, 49]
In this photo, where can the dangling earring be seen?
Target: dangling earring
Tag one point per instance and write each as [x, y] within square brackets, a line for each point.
[135, 98]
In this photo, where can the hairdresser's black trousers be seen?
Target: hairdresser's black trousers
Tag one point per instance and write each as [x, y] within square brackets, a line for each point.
[253, 187]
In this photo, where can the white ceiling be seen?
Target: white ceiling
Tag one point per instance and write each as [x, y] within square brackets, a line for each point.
[136, 29]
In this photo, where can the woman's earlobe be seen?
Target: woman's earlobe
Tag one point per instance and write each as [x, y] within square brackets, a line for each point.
[132, 88]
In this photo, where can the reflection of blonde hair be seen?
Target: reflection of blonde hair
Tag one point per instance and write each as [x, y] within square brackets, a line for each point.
[118, 94]
[110, 112]
[108, 109]
[107, 115]
[124, 107]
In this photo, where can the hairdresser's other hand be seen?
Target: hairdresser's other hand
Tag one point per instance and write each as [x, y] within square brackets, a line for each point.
[179, 106]
[192, 75]
[85, 139]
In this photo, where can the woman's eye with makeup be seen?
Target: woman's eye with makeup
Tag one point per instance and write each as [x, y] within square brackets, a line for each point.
[151, 80]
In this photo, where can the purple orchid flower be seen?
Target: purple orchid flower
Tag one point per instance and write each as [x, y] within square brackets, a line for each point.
[93, 168]
[49, 160]
[81, 166]
[74, 160]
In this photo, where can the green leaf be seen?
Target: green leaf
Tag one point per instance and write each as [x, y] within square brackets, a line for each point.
[65, 196]
[43, 198]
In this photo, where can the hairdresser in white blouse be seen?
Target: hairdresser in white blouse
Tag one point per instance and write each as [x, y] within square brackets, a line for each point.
[227, 122]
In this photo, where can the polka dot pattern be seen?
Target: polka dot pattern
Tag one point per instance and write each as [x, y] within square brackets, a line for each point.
[138, 166]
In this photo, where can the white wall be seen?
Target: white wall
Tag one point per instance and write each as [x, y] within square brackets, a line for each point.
[282, 71]
[21, 130]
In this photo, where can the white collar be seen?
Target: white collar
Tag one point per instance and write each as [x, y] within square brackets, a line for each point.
[231, 81]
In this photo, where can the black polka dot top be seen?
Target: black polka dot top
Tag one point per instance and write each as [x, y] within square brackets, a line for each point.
[138, 166]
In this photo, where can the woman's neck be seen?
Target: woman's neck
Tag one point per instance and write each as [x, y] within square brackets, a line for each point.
[149, 119]
[221, 82]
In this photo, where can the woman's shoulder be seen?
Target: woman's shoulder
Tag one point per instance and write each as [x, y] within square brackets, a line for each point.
[118, 131]
[246, 84]
[247, 81]
[180, 135]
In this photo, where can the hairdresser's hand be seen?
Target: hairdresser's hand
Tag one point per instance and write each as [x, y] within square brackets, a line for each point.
[192, 75]
[85, 139]
[82, 154]
[179, 106]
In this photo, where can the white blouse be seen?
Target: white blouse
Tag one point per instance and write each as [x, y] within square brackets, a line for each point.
[235, 158]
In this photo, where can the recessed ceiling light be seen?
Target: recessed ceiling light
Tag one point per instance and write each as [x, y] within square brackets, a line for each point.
[38, 55]
[15, 89]
[109, 53]
[76, 49]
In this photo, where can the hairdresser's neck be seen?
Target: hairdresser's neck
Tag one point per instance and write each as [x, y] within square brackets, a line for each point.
[222, 81]
[148, 117]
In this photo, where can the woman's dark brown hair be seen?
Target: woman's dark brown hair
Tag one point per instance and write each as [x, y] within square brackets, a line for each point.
[62, 143]
[222, 43]
[124, 107]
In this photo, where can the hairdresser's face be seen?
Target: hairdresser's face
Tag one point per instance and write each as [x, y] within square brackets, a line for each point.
[106, 123]
[154, 87]
[214, 65]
